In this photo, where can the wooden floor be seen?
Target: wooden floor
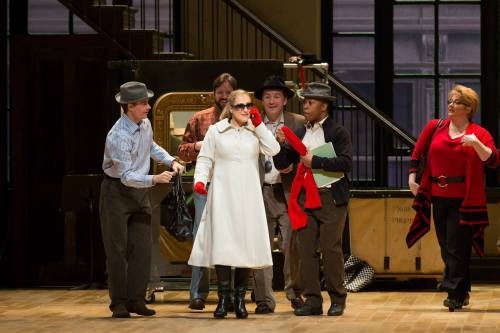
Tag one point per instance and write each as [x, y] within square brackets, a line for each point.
[381, 311]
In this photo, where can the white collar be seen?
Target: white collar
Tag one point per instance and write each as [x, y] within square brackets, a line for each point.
[225, 124]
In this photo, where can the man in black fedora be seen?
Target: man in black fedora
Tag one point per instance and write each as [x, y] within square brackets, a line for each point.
[274, 95]
[325, 225]
[125, 208]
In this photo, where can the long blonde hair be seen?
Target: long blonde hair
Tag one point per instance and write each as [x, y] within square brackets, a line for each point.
[226, 113]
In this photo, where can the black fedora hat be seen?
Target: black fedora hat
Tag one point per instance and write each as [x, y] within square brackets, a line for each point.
[133, 91]
[274, 82]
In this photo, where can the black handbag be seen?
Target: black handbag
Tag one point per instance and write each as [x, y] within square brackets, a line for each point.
[176, 217]
[423, 158]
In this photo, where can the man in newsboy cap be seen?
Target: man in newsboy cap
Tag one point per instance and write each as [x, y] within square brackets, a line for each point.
[323, 226]
[125, 209]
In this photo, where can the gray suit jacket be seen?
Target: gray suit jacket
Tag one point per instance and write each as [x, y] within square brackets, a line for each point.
[292, 121]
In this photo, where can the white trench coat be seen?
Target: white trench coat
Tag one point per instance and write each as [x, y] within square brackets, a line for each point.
[233, 227]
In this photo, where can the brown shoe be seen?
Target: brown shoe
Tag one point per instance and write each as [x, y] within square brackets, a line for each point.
[120, 311]
[197, 304]
[140, 309]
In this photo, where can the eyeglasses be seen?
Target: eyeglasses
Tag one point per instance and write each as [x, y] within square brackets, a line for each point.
[241, 106]
[457, 102]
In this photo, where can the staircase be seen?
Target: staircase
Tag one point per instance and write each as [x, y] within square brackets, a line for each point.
[118, 24]
[225, 29]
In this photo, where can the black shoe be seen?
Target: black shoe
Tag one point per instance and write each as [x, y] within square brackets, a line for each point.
[263, 308]
[197, 304]
[336, 309]
[297, 302]
[308, 310]
[120, 311]
[452, 304]
[465, 302]
[140, 309]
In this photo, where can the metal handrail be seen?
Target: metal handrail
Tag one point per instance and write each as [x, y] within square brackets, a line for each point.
[375, 113]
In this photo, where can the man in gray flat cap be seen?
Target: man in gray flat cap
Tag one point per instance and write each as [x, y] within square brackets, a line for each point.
[323, 226]
[125, 209]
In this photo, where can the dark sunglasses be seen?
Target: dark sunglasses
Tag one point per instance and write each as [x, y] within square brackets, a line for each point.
[241, 106]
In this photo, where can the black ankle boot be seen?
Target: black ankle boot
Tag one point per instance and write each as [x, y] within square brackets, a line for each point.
[221, 309]
[224, 290]
[240, 288]
[239, 303]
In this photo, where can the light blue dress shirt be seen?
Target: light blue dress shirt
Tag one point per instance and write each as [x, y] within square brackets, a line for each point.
[129, 147]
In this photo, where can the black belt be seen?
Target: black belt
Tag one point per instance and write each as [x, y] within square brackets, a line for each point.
[272, 185]
[443, 181]
[112, 178]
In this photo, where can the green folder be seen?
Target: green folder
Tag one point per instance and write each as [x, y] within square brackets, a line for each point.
[322, 177]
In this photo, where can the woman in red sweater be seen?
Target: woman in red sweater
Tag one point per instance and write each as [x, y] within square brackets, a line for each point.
[453, 182]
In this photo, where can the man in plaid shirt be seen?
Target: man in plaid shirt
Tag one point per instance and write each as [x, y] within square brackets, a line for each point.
[188, 151]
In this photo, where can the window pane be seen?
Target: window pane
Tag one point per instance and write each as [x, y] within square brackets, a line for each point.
[80, 27]
[460, 39]
[446, 85]
[353, 16]
[47, 17]
[414, 39]
[353, 63]
[413, 103]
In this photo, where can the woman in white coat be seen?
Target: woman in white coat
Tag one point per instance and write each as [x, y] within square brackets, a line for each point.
[233, 228]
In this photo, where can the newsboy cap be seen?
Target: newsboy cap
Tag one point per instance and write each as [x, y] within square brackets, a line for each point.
[133, 91]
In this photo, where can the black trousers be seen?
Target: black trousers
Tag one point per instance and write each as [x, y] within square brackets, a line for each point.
[125, 214]
[324, 230]
[455, 241]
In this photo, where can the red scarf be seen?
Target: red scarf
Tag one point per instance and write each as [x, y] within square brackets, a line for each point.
[473, 210]
[303, 177]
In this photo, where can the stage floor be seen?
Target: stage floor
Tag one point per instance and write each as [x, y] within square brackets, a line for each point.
[52, 311]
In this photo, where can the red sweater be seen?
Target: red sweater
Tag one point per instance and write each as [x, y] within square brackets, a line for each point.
[448, 157]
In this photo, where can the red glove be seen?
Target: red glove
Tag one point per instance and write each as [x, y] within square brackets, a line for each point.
[199, 188]
[255, 116]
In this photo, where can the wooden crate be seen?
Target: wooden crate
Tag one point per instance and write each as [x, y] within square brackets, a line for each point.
[378, 228]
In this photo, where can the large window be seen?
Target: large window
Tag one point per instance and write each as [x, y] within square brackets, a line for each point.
[402, 56]
[436, 44]
[353, 44]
